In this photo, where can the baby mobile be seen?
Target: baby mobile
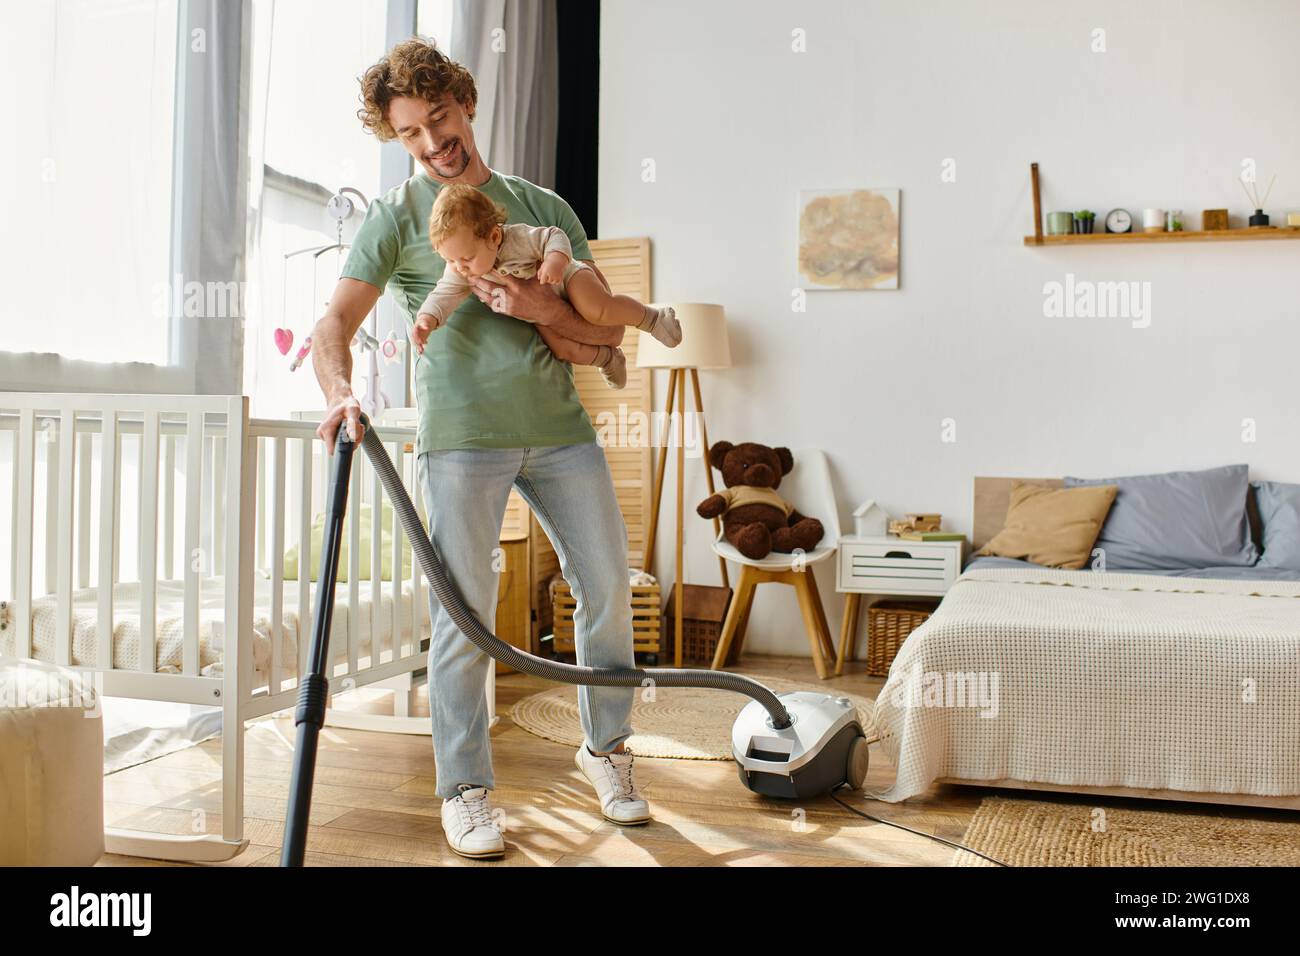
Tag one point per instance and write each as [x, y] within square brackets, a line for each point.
[368, 346]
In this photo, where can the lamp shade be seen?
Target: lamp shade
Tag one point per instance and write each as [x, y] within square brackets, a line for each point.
[704, 340]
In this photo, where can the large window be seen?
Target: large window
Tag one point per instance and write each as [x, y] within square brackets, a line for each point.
[309, 54]
[86, 103]
[89, 98]
[306, 139]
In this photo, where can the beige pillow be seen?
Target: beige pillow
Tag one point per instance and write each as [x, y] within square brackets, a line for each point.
[1054, 527]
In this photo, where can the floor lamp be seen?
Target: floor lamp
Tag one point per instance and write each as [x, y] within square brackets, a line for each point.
[704, 345]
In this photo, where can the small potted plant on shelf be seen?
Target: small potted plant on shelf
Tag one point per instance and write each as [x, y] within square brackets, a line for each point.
[1083, 221]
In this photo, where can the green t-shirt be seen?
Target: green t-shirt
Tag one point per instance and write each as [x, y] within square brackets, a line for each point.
[485, 380]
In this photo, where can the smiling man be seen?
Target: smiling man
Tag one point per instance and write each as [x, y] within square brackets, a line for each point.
[496, 410]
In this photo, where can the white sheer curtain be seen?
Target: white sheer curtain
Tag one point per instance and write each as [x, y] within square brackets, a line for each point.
[510, 47]
[86, 103]
[305, 143]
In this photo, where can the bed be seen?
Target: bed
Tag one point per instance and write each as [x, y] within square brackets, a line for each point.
[1178, 686]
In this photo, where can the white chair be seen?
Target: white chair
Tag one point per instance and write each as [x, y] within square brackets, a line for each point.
[808, 488]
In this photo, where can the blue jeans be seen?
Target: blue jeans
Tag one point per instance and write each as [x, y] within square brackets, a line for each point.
[570, 489]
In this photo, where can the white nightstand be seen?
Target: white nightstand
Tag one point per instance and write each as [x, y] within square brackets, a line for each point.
[890, 566]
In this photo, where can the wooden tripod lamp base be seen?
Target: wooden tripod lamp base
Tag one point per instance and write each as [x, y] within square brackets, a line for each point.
[704, 345]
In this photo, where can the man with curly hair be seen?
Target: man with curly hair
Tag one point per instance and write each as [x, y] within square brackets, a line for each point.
[497, 410]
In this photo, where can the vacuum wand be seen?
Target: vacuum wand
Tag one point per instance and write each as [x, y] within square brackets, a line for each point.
[309, 716]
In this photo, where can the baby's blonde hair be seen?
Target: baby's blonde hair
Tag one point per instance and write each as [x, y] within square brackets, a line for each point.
[459, 205]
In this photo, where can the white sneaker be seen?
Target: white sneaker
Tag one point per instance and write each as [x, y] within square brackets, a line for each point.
[611, 775]
[467, 822]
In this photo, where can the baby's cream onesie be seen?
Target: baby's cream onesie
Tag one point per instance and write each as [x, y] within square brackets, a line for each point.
[523, 248]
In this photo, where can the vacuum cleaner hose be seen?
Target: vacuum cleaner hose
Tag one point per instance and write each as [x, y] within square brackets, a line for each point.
[494, 647]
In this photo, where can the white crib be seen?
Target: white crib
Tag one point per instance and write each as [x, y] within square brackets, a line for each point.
[188, 507]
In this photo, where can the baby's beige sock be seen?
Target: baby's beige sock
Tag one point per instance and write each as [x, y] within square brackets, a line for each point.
[663, 325]
[612, 364]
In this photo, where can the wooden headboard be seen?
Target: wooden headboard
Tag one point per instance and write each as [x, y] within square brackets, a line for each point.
[993, 495]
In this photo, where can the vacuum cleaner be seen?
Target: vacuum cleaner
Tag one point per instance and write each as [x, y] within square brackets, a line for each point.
[794, 745]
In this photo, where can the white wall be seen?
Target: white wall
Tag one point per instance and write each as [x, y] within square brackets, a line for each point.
[737, 123]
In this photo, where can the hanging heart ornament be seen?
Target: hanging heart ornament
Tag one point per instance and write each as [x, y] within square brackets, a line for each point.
[284, 340]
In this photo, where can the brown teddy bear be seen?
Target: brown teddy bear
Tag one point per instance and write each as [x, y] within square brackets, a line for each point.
[755, 519]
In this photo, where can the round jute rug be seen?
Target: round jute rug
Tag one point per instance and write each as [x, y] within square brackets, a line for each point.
[682, 722]
[1043, 833]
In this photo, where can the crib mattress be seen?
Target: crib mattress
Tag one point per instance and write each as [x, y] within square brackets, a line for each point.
[170, 627]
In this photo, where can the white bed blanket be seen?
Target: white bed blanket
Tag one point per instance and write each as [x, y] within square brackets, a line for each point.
[212, 632]
[1081, 678]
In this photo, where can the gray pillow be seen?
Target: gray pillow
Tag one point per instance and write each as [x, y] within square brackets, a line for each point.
[1178, 519]
[1279, 513]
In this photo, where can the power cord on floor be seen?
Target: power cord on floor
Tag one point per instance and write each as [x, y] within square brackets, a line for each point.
[928, 836]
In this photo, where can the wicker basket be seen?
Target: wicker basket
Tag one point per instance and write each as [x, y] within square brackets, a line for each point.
[888, 624]
[704, 609]
[646, 602]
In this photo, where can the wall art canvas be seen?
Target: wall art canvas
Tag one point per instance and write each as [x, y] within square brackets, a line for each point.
[848, 239]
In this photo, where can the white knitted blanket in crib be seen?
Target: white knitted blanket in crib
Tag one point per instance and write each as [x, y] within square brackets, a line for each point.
[1081, 678]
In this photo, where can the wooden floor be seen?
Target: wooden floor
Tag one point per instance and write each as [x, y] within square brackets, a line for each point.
[374, 802]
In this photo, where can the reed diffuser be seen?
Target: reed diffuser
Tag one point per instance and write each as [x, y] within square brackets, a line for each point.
[1252, 193]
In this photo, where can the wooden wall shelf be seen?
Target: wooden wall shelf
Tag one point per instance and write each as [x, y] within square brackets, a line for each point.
[1217, 235]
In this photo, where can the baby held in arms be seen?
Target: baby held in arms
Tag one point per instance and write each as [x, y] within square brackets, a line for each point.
[469, 231]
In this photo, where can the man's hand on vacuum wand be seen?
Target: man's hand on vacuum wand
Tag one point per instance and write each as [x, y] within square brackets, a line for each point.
[343, 409]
